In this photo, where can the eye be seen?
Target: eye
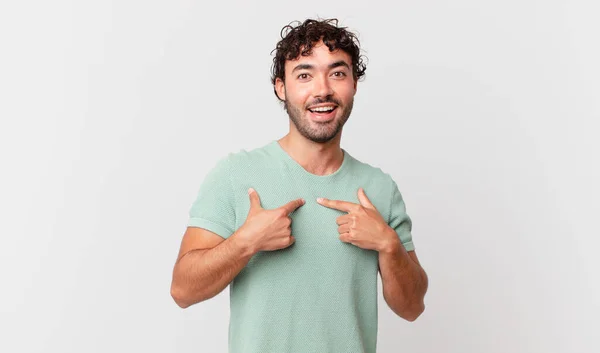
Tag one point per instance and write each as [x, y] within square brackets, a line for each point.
[341, 74]
[302, 76]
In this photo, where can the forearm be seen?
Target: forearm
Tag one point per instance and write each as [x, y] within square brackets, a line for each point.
[404, 281]
[201, 274]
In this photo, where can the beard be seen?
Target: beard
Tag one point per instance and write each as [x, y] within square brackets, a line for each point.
[316, 131]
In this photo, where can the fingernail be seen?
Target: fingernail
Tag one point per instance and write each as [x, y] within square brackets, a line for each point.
[319, 199]
[250, 190]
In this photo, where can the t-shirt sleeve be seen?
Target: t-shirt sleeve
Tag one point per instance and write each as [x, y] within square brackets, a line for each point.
[399, 220]
[214, 206]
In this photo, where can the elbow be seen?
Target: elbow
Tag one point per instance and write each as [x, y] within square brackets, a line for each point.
[179, 297]
[415, 313]
[184, 298]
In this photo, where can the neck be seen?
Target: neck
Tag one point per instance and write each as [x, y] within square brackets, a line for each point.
[316, 158]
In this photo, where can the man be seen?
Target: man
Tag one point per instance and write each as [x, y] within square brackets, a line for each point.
[298, 226]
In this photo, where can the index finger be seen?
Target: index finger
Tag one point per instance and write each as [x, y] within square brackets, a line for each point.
[292, 205]
[338, 204]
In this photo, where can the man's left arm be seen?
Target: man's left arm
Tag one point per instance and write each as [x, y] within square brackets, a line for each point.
[404, 280]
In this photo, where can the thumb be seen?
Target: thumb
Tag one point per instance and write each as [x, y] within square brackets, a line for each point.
[364, 200]
[254, 199]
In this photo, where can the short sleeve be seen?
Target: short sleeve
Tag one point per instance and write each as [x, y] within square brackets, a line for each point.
[399, 220]
[214, 206]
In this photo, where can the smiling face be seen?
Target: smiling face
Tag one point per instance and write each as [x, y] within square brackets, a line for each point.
[318, 92]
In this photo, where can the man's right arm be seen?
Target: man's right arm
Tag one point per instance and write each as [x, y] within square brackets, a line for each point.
[206, 264]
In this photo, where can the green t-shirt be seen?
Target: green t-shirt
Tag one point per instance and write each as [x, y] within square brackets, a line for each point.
[320, 294]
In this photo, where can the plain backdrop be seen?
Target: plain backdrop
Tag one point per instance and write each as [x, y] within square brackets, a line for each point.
[484, 112]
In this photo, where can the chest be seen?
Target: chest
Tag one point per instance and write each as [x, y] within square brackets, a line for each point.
[317, 249]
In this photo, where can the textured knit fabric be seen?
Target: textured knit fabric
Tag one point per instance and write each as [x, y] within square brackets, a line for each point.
[320, 294]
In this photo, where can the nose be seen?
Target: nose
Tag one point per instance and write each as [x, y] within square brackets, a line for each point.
[323, 87]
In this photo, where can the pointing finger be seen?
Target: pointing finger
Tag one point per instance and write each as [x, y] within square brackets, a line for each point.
[337, 204]
[292, 205]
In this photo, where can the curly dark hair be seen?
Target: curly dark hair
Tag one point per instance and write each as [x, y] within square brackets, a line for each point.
[305, 35]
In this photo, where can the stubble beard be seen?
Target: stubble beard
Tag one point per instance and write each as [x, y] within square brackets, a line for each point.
[323, 132]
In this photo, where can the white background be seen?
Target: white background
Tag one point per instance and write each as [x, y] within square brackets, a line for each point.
[484, 112]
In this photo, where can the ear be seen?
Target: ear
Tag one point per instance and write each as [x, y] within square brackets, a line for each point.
[280, 88]
[355, 85]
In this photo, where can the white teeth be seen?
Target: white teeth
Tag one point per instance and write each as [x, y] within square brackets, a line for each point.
[322, 109]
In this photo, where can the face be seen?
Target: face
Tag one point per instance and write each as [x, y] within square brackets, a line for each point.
[314, 85]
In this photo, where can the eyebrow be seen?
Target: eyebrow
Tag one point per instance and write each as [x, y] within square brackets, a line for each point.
[331, 66]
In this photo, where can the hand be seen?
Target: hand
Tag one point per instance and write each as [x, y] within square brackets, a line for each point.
[363, 226]
[268, 229]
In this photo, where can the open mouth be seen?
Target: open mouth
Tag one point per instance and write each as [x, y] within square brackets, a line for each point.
[323, 113]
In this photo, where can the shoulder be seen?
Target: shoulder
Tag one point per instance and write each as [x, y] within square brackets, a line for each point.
[245, 159]
[374, 173]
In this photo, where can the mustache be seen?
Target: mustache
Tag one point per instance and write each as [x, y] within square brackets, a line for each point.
[321, 101]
